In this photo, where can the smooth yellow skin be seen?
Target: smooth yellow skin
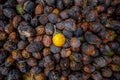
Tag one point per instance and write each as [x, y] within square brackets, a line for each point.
[58, 39]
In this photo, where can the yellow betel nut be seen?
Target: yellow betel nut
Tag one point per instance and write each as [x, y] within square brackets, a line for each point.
[58, 39]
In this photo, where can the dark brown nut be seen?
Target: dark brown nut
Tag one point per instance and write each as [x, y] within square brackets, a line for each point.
[63, 78]
[39, 9]
[106, 72]
[89, 68]
[37, 55]
[16, 21]
[56, 11]
[9, 61]
[75, 42]
[77, 57]
[75, 66]
[38, 38]
[32, 62]
[101, 8]
[64, 63]
[115, 67]
[40, 30]
[22, 44]
[47, 40]
[13, 37]
[26, 54]
[75, 49]
[9, 28]
[16, 54]
[116, 59]
[3, 35]
[10, 46]
[65, 52]
[88, 49]
[84, 26]
[46, 51]
[48, 9]
[49, 65]
[86, 59]
[60, 25]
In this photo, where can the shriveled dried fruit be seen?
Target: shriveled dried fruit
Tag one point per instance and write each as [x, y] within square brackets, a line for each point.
[75, 42]
[35, 47]
[47, 40]
[39, 9]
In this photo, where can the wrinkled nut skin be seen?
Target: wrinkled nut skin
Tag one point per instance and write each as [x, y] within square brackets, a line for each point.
[39, 9]
[47, 40]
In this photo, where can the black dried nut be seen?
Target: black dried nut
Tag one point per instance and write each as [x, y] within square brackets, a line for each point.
[32, 62]
[3, 55]
[78, 32]
[77, 57]
[60, 25]
[96, 27]
[49, 28]
[22, 44]
[88, 49]
[35, 47]
[50, 2]
[26, 30]
[23, 67]
[29, 6]
[53, 18]
[75, 76]
[75, 66]
[9, 12]
[70, 25]
[48, 9]
[91, 16]
[55, 49]
[67, 33]
[36, 70]
[14, 74]
[64, 63]
[67, 3]
[92, 39]
[64, 14]
[97, 75]
[54, 75]
[59, 4]
[34, 22]
[43, 19]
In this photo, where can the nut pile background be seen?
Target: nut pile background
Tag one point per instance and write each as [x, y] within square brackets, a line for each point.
[92, 40]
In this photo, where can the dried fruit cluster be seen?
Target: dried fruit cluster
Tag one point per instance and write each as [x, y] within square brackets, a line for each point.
[90, 30]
